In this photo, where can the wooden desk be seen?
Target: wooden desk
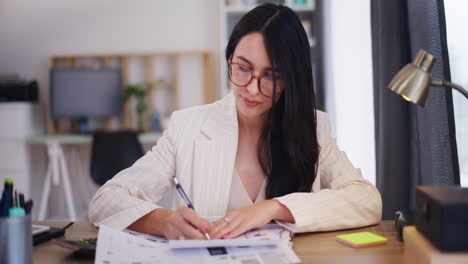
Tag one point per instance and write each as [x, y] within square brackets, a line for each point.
[323, 248]
[311, 248]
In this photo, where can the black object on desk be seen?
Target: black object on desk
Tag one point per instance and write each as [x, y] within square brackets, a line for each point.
[403, 218]
[442, 216]
[53, 232]
[17, 90]
[85, 248]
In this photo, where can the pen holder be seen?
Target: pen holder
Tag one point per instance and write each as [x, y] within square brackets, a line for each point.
[15, 240]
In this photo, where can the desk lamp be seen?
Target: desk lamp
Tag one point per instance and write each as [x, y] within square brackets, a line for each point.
[413, 81]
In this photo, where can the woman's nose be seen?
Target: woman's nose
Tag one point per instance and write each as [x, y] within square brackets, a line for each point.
[253, 88]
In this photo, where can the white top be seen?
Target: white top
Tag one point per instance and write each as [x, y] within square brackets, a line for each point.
[239, 197]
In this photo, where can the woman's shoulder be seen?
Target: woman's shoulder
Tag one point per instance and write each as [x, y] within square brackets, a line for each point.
[192, 118]
[323, 120]
[323, 126]
[321, 116]
[190, 113]
[201, 112]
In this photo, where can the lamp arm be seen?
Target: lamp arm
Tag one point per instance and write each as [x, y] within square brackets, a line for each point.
[450, 85]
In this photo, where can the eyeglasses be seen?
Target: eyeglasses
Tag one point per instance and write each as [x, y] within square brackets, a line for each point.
[241, 75]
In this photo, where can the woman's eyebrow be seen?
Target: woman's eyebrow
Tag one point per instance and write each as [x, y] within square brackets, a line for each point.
[251, 64]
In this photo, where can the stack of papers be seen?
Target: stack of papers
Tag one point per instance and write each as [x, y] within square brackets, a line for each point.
[268, 244]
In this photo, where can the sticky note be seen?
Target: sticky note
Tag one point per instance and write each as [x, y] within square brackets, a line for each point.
[361, 239]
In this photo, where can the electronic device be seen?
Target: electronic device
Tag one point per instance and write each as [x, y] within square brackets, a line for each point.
[442, 216]
[83, 94]
[37, 229]
[49, 234]
[17, 90]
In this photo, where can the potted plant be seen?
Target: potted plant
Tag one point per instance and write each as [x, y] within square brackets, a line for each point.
[139, 92]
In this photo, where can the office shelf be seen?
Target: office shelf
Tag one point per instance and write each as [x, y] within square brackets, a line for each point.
[146, 68]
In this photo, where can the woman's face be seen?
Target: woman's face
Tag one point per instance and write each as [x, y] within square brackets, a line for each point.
[250, 58]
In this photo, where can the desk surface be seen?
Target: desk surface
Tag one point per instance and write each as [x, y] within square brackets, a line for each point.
[78, 139]
[311, 248]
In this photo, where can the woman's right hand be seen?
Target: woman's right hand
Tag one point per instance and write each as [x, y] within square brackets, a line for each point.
[184, 223]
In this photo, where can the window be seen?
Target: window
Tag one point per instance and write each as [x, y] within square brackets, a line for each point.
[457, 40]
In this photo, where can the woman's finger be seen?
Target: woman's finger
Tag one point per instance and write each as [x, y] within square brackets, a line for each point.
[240, 229]
[222, 221]
[187, 230]
[219, 224]
[227, 228]
[195, 220]
[172, 233]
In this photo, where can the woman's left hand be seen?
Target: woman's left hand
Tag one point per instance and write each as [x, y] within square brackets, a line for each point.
[245, 219]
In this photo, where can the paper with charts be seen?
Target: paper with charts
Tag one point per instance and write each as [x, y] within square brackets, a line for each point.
[115, 246]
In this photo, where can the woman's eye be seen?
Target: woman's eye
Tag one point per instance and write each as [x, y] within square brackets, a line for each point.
[244, 69]
[268, 78]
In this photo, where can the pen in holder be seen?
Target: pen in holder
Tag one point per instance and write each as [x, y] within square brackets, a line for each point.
[16, 239]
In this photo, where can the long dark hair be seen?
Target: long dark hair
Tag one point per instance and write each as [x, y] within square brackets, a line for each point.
[287, 149]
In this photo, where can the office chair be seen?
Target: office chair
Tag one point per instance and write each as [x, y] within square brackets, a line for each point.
[112, 152]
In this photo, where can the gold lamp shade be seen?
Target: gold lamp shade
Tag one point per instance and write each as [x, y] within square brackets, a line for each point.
[413, 81]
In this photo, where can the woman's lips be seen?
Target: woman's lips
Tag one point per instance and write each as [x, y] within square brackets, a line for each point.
[250, 103]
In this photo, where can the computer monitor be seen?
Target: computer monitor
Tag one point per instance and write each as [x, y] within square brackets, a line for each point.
[85, 93]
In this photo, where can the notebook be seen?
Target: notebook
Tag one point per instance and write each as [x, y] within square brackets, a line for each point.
[361, 239]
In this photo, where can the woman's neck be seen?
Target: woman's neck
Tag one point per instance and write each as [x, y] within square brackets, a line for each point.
[251, 127]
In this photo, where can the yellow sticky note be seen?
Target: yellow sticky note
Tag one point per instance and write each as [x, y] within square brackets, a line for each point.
[361, 239]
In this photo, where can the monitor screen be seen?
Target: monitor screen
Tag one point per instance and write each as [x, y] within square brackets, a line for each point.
[85, 93]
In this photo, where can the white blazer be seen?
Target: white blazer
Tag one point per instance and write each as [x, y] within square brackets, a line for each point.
[199, 147]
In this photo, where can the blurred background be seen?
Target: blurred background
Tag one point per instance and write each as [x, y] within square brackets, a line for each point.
[162, 56]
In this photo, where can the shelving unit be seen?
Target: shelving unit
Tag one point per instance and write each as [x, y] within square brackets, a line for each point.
[169, 81]
[309, 12]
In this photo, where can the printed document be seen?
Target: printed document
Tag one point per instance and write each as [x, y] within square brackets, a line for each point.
[115, 246]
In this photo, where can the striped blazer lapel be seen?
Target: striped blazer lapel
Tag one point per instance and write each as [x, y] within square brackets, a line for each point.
[214, 157]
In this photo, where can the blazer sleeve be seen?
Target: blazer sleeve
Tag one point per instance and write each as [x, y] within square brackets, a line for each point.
[135, 191]
[345, 199]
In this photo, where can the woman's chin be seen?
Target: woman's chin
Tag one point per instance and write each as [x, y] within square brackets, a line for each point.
[250, 112]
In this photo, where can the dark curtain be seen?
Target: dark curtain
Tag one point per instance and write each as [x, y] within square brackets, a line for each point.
[414, 145]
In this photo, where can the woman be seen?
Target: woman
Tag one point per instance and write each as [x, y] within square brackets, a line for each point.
[262, 153]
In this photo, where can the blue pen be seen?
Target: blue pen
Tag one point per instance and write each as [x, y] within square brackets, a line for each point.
[185, 198]
[9, 191]
[1, 206]
[6, 201]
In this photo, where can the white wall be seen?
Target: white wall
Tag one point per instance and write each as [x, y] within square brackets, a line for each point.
[32, 31]
[348, 77]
